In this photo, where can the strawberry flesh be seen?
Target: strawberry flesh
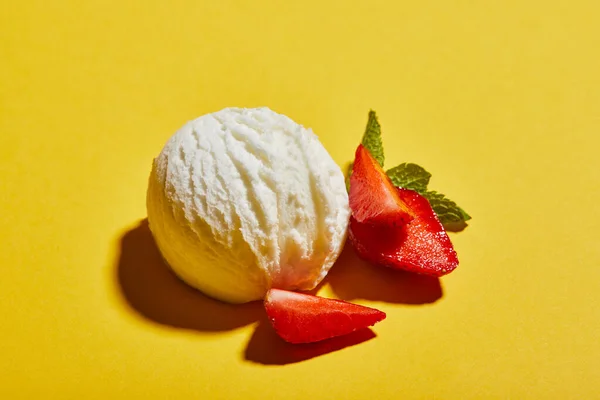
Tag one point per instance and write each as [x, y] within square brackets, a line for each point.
[395, 227]
[421, 246]
[304, 318]
[373, 198]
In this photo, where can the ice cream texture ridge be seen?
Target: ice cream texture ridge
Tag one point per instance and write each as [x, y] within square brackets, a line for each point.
[244, 200]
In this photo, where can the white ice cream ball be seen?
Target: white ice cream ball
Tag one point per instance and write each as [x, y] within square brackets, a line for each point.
[243, 200]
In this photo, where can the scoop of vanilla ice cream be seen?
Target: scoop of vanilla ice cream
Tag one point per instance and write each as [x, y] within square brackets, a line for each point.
[243, 200]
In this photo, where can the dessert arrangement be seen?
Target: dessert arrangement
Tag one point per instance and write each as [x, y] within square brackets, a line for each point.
[246, 205]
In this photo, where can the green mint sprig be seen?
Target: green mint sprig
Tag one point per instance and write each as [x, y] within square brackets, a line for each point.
[411, 176]
[372, 138]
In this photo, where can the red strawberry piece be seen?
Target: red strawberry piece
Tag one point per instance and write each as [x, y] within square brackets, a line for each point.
[304, 318]
[373, 198]
[421, 245]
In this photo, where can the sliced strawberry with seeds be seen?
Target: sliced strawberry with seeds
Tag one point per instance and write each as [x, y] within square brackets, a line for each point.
[373, 198]
[304, 318]
[421, 245]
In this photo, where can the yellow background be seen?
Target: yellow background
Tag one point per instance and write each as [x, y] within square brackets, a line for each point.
[500, 100]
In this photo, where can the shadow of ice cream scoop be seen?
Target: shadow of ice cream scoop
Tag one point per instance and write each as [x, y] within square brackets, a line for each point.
[156, 293]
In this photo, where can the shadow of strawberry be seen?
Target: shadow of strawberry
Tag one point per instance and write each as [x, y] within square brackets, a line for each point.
[351, 278]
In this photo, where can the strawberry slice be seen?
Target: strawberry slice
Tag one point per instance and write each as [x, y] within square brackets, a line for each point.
[421, 245]
[304, 318]
[373, 198]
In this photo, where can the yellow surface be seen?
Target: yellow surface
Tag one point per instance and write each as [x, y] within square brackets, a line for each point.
[500, 100]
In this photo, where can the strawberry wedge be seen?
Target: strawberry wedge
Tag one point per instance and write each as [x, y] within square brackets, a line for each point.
[419, 245]
[304, 318]
[373, 198]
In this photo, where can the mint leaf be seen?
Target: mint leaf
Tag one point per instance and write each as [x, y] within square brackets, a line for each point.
[410, 176]
[447, 210]
[372, 141]
[372, 138]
